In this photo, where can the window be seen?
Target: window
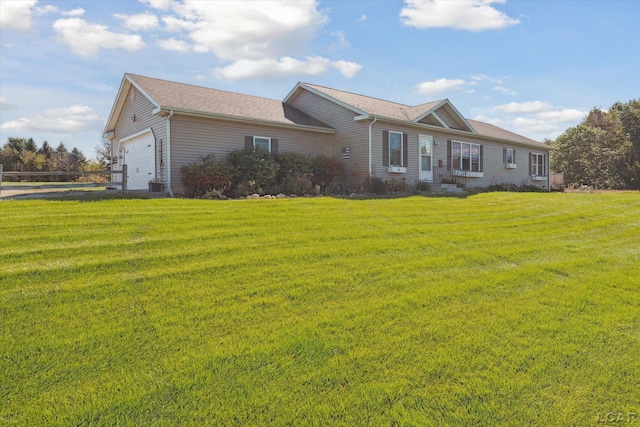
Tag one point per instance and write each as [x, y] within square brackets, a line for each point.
[509, 158]
[538, 164]
[395, 149]
[466, 156]
[262, 142]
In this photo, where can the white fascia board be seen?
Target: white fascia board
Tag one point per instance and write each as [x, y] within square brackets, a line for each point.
[125, 85]
[361, 117]
[460, 116]
[301, 85]
[437, 117]
[464, 134]
[307, 128]
[117, 105]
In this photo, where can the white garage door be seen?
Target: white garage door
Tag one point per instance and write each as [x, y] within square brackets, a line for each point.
[140, 158]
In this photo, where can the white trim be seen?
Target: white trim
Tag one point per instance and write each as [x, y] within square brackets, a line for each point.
[397, 169]
[402, 148]
[437, 117]
[262, 137]
[301, 85]
[168, 166]
[134, 135]
[245, 120]
[468, 174]
[441, 104]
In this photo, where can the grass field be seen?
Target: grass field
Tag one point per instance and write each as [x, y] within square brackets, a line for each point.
[495, 309]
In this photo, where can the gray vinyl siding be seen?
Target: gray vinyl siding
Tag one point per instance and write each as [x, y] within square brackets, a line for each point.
[446, 117]
[193, 138]
[349, 133]
[494, 169]
[139, 105]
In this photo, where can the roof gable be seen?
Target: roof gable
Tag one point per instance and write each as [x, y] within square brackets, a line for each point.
[186, 98]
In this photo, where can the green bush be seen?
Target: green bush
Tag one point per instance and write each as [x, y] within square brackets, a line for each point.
[295, 174]
[396, 186]
[374, 185]
[212, 174]
[422, 187]
[329, 173]
[253, 171]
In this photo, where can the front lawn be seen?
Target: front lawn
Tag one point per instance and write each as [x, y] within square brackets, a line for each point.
[495, 309]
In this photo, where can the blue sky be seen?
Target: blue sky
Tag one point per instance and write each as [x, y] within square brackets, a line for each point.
[534, 67]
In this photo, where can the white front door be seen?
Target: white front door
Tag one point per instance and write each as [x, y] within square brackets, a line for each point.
[425, 146]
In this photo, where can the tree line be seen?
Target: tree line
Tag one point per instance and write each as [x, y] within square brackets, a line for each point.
[603, 151]
[24, 155]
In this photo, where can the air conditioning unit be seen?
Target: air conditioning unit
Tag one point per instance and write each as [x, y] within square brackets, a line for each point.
[510, 165]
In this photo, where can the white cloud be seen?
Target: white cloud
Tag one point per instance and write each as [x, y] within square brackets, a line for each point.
[341, 40]
[362, 18]
[522, 107]
[347, 68]
[174, 45]
[492, 120]
[440, 85]
[472, 15]
[283, 67]
[139, 22]
[16, 14]
[87, 39]
[505, 90]
[528, 125]
[54, 9]
[58, 121]
[562, 116]
[257, 39]
[235, 30]
[5, 106]
[158, 4]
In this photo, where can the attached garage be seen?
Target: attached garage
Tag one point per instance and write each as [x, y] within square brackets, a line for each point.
[139, 154]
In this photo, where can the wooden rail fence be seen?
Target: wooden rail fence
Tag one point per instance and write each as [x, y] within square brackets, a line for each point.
[122, 182]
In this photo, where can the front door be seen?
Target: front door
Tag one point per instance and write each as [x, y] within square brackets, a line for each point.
[425, 146]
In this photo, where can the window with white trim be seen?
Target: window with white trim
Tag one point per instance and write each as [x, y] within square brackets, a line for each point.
[262, 142]
[509, 157]
[395, 149]
[538, 167]
[465, 156]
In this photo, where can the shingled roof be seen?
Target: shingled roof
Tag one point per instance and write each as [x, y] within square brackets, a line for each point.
[393, 110]
[182, 97]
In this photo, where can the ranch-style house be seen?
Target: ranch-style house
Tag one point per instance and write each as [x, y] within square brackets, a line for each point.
[157, 126]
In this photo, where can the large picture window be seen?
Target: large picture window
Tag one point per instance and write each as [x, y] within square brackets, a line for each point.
[466, 156]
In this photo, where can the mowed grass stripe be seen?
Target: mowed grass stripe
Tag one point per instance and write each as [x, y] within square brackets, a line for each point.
[497, 309]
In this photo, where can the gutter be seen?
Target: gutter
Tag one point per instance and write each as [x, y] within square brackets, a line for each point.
[375, 119]
[307, 128]
[169, 190]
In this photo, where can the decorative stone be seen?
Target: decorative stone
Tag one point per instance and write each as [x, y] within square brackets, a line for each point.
[255, 196]
[281, 196]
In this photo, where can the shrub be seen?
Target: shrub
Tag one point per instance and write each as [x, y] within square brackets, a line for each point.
[515, 188]
[395, 186]
[210, 175]
[374, 185]
[295, 174]
[422, 187]
[329, 172]
[253, 170]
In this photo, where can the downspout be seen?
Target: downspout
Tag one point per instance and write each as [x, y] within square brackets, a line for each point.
[169, 190]
[370, 124]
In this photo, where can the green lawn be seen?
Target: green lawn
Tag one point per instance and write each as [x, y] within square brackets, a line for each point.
[497, 309]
